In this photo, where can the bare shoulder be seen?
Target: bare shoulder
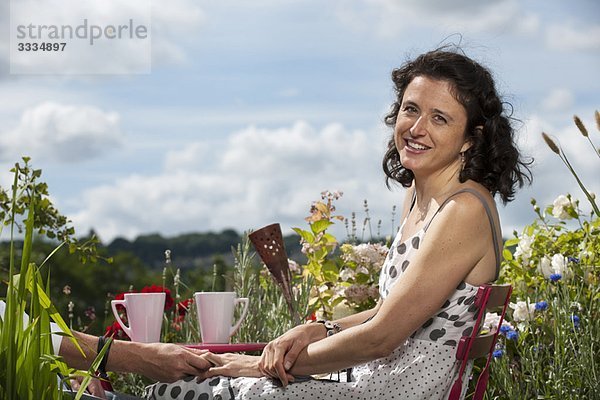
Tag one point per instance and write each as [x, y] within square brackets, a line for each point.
[465, 208]
[470, 203]
[463, 224]
[464, 219]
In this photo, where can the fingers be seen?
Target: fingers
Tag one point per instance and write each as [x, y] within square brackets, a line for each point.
[198, 352]
[215, 360]
[199, 361]
[292, 355]
[95, 389]
[268, 359]
[75, 385]
[276, 366]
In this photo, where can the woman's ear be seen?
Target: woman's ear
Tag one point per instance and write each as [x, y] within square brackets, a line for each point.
[469, 141]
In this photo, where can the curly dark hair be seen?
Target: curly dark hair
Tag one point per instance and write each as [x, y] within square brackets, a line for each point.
[493, 159]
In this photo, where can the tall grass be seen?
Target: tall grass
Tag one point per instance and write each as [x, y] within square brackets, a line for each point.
[268, 313]
[30, 368]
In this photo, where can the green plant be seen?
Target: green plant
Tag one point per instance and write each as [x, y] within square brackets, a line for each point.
[548, 348]
[319, 247]
[346, 281]
[358, 281]
[26, 350]
[31, 196]
[268, 313]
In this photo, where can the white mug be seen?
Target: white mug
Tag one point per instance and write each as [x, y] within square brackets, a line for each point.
[144, 314]
[215, 315]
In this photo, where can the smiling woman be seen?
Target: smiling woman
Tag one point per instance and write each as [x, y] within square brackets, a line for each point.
[453, 148]
[430, 127]
[488, 154]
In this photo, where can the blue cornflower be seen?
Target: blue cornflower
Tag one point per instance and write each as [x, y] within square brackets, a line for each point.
[573, 260]
[541, 305]
[512, 335]
[498, 353]
[505, 329]
[555, 277]
[575, 320]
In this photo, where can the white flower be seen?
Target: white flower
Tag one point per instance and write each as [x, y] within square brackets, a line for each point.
[524, 247]
[560, 207]
[560, 265]
[575, 305]
[523, 311]
[491, 320]
[362, 270]
[294, 267]
[545, 267]
[346, 274]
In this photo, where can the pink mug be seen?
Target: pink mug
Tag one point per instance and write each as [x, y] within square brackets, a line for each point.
[215, 315]
[144, 314]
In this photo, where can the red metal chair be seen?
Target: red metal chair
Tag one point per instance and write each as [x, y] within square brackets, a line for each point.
[481, 344]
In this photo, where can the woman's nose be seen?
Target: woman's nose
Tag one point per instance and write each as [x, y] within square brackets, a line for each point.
[417, 129]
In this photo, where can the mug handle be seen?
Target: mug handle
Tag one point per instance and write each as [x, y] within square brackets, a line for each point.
[235, 327]
[114, 304]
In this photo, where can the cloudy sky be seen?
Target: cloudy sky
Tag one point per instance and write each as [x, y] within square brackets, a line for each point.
[251, 109]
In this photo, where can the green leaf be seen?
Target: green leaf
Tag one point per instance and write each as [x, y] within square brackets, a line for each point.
[45, 302]
[511, 242]
[306, 235]
[320, 226]
[329, 238]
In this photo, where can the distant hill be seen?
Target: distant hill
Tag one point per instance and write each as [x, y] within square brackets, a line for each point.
[191, 250]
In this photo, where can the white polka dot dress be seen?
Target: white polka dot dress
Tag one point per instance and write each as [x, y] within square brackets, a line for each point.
[423, 367]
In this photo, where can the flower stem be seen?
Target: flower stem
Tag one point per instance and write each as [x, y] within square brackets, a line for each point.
[563, 157]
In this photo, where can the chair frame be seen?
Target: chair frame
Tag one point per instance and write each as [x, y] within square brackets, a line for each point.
[489, 297]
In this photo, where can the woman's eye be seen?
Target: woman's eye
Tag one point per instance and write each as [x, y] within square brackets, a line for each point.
[409, 109]
[439, 119]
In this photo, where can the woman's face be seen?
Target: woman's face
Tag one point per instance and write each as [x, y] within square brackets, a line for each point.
[430, 127]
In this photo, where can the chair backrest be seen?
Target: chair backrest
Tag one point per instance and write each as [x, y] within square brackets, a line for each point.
[489, 297]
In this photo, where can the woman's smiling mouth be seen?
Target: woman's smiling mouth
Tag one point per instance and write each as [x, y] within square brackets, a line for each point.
[411, 144]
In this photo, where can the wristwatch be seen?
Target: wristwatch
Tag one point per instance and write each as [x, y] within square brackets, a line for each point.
[331, 327]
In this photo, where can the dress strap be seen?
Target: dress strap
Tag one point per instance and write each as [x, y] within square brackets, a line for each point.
[488, 211]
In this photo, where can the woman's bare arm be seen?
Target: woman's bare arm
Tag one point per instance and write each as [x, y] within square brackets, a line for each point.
[456, 243]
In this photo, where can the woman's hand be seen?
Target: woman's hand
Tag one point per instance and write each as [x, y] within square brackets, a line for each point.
[230, 364]
[280, 354]
[94, 387]
[166, 362]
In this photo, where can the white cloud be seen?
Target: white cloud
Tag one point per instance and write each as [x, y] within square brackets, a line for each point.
[567, 37]
[191, 157]
[558, 99]
[467, 16]
[173, 25]
[61, 133]
[259, 176]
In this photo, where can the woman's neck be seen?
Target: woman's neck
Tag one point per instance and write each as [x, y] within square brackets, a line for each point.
[436, 187]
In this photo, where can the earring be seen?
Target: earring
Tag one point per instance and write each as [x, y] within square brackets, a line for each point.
[462, 161]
